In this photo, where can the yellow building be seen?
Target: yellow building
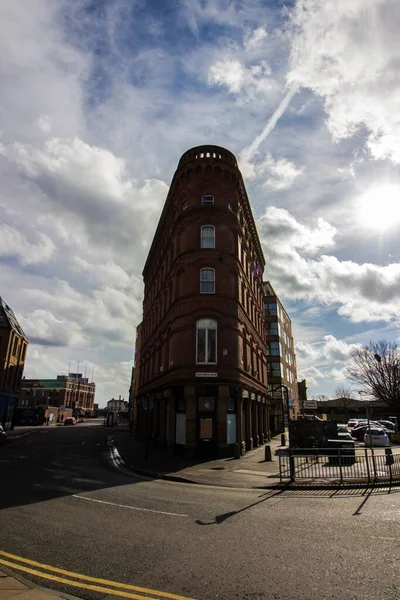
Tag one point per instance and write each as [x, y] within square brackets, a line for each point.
[13, 345]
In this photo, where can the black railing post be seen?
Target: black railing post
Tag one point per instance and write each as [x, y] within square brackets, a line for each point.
[367, 463]
[291, 466]
[340, 465]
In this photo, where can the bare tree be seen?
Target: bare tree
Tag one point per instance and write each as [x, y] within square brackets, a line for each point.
[321, 397]
[344, 396]
[344, 392]
[376, 368]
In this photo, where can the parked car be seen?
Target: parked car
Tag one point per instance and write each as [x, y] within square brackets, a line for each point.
[389, 425]
[3, 435]
[70, 421]
[362, 429]
[343, 432]
[359, 432]
[376, 437]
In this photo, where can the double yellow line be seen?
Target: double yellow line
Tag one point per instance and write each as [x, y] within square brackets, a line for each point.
[103, 586]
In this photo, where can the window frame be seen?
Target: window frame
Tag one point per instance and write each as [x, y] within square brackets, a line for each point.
[212, 327]
[205, 281]
[203, 237]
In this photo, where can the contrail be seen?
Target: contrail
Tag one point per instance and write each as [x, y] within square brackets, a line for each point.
[248, 153]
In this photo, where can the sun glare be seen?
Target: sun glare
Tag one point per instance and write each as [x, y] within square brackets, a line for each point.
[380, 207]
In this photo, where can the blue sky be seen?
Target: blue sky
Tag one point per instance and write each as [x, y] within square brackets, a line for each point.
[100, 99]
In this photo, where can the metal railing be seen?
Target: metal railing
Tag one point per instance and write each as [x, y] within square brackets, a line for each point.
[364, 465]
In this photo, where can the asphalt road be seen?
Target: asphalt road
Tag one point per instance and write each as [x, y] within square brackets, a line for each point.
[64, 504]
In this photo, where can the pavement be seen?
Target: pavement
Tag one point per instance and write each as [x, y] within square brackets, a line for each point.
[19, 588]
[250, 471]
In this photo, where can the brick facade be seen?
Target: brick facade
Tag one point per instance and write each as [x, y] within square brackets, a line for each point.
[13, 349]
[72, 391]
[201, 372]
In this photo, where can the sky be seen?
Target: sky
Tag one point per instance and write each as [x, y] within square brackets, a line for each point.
[98, 101]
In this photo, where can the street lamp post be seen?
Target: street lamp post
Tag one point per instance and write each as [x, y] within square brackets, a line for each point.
[368, 420]
[291, 457]
[286, 396]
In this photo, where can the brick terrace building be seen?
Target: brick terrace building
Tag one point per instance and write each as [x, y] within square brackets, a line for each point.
[281, 360]
[13, 346]
[70, 391]
[202, 371]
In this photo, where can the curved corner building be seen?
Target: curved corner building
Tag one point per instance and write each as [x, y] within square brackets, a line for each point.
[201, 368]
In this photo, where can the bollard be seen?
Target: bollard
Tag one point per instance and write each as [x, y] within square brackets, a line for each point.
[283, 439]
[268, 455]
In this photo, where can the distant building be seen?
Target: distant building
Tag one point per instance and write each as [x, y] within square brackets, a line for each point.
[302, 392]
[281, 360]
[119, 405]
[131, 402]
[136, 373]
[70, 391]
[13, 346]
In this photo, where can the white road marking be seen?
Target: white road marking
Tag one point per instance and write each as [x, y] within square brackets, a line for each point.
[158, 512]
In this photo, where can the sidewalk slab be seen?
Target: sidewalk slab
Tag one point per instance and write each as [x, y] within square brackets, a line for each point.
[9, 583]
[250, 471]
[13, 585]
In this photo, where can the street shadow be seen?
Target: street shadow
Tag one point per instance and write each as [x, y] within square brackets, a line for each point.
[225, 516]
[368, 494]
[55, 462]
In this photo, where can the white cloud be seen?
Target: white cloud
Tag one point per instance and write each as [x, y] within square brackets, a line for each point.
[242, 81]
[43, 328]
[305, 351]
[102, 317]
[254, 39]
[281, 173]
[337, 350]
[311, 374]
[14, 243]
[284, 234]
[339, 374]
[91, 184]
[362, 292]
[347, 53]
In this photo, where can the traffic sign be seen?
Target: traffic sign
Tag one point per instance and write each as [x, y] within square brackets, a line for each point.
[310, 404]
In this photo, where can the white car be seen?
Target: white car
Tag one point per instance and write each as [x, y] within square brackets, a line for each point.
[376, 437]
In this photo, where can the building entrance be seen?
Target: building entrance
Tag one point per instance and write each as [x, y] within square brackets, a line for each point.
[206, 427]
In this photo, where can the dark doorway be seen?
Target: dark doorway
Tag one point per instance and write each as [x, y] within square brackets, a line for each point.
[206, 427]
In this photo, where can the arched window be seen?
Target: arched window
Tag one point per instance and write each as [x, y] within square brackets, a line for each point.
[207, 281]
[206, 341]
[208, 236]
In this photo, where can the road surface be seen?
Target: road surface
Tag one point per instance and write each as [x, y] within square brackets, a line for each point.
[101, 532]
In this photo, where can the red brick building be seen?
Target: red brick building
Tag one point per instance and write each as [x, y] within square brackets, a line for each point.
[201, 373]
[69, 391]
[281, 361]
